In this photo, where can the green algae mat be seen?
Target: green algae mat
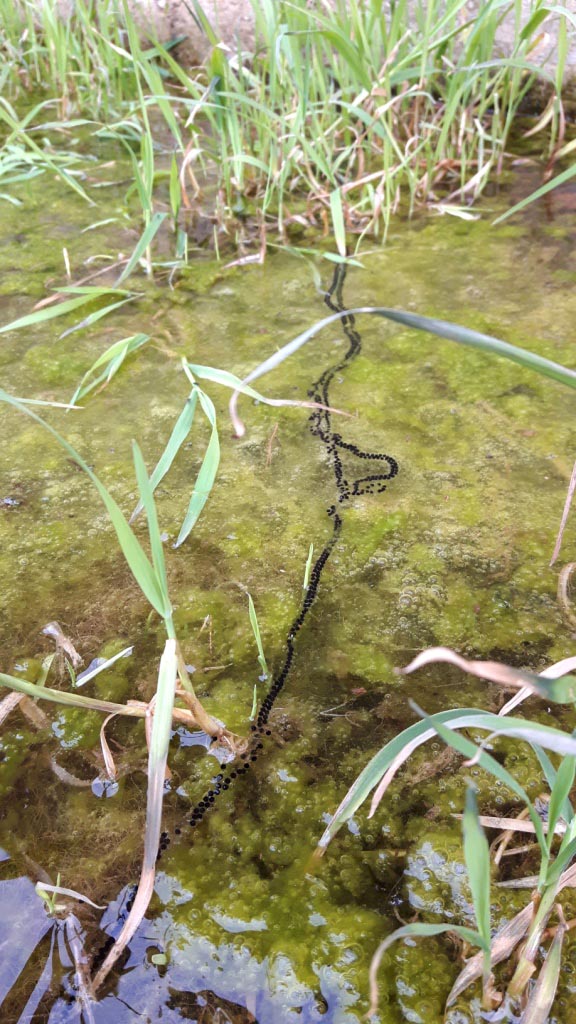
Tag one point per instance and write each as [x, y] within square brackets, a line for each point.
[432, 508]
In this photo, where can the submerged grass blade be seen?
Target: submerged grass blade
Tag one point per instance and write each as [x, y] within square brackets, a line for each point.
[542, 191]
[49, 312]
[149, 233]
[147, 500]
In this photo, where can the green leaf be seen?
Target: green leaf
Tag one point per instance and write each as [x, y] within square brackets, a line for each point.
[473, 752]
[542, 191]
[477, 857]
[134, 554]
[147, 499]
[179, 434]
[175, 192]
[147, 236]
[71, 700]
[565, 857]
[111, 360]
[397, 751]
[371, 775]
[48, 313]
[207, 474]
[441, 328]
[559, 795]
[257, 637]
[98, 314]
[338, 221]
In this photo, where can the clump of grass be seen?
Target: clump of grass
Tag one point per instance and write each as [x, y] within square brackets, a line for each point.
[380, 110]
[336, 119]
[556, 839]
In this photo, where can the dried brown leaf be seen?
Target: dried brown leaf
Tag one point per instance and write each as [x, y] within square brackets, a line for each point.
[503, 943]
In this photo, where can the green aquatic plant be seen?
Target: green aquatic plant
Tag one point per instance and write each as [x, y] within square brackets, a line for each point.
[150, 575]
[337, 115]
[261, 658]
[555, 837]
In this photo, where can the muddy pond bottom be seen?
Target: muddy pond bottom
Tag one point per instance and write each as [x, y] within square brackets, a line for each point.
[432, 509]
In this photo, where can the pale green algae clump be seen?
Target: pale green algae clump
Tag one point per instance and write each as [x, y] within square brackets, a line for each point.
[454, 552]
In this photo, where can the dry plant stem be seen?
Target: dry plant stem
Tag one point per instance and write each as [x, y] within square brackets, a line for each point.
[502, 946]
[526, 966]
[202, 719]
[567, 504]
[500, 844]
[551, 932]
[8, 703]
[563, 598]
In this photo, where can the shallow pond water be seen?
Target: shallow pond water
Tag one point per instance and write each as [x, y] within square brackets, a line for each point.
[454, 551]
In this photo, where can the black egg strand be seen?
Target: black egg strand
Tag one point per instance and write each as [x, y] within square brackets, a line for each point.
[320, 423]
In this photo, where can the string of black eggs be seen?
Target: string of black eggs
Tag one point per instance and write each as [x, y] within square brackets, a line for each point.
[320, 424]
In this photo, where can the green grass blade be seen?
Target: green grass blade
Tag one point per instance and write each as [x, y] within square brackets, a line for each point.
[111, 360]
[542, 191]
[431, 325]
[43, 157]
[559, 795]
[48, 313]
[397, 751]
[98, 314]
[89, 674]
[134, 554]
[338, 222]
[156, 548]
[179, 434]
[565, 856]
[308, 568]
[471, 751]
[207, 473]
[257, 636]
[477, 857]
[371, 775]
[71, 700]
[147, 236]
[228, 380]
